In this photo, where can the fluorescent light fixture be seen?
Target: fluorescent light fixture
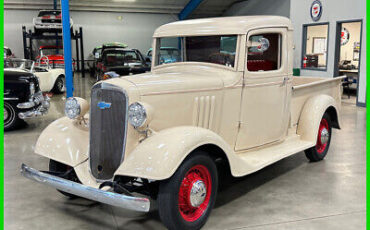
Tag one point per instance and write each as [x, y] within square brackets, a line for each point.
[124, 0]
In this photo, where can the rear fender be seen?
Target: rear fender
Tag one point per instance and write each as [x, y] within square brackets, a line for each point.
[64, 141]
[159, 156]
[312, 113]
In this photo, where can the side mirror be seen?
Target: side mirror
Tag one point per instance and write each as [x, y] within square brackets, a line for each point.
[258, 44]
[97, 55]
[147, 59]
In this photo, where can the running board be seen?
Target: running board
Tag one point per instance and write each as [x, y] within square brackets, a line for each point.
[259, 158]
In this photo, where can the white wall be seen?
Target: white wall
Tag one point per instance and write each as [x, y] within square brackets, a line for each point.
[333, 11]
[135, 29]
[260, 7]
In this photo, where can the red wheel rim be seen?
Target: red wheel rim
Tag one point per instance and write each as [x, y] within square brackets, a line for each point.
[197, 175]
[324, 128]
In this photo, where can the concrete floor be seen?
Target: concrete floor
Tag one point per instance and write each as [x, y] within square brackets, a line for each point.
[290, 194]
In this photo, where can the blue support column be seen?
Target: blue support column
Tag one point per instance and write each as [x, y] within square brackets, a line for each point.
[67, 47]
[189, 8]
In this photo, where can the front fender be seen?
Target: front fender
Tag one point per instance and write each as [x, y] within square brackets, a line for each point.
[159, 156]
[311, 115]
[64, 141]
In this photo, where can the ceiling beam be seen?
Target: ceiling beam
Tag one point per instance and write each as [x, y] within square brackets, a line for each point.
[189, 8]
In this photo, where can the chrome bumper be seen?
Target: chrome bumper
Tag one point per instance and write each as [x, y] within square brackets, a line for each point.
[114, 199]
[40, 105]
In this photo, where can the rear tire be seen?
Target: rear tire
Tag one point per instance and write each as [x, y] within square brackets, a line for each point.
[11, 119]
[59, 85]
[186, 199]
[58, 167]
[318, 152]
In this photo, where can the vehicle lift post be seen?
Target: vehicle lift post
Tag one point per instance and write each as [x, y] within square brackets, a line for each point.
[67, 47]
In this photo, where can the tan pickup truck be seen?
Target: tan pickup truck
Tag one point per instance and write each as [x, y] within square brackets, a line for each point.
[160, 135]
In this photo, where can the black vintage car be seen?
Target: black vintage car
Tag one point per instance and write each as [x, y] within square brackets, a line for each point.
[22, 96]
[120, 62]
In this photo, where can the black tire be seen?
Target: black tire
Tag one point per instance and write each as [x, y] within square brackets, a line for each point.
[170, 190]
[59, 85]
[11, 119]
[58, 167]
[318, 152]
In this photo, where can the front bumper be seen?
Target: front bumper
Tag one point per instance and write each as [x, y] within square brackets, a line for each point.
[49, 26]
[106, 197]
[38, 106]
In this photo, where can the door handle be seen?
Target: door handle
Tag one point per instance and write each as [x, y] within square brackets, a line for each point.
[286, 79]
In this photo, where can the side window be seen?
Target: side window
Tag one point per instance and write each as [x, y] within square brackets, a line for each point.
[264, 52]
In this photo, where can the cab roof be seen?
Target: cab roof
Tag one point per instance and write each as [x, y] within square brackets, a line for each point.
[220, 26]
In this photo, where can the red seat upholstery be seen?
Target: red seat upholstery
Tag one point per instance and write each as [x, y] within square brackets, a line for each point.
[257, 65]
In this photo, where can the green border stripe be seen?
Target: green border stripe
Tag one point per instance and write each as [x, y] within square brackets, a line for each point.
[2, 114]
[367, 116]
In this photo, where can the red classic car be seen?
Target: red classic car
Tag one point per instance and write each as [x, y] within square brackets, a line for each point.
[52, 56]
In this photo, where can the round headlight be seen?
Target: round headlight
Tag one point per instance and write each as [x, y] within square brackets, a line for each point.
[72, 108]
[137, 114]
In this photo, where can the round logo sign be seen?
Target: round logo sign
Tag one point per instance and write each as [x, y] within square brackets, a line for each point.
[316, 10]
[344, 36]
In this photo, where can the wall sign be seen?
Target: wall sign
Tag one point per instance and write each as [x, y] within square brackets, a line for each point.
[344, 36]
[316, 10]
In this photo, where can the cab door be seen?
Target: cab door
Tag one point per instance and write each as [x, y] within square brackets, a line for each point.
[264, 113]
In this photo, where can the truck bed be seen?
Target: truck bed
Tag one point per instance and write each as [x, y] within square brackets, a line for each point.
[306, 87]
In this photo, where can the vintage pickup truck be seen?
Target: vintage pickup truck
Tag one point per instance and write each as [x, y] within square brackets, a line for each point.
[161, 135]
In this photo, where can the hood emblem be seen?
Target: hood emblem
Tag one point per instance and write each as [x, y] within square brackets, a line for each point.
[104, 105]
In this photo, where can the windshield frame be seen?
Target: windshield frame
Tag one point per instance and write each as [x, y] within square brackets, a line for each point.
[20, 60]
[156, 48]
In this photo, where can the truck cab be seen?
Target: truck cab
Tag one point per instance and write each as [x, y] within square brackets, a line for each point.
[230, 97]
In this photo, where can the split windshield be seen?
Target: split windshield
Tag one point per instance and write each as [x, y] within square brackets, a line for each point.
[19, 64]
[210, 49]
[120, 57]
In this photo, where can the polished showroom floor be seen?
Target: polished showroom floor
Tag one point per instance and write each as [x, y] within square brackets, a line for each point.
[291, 194]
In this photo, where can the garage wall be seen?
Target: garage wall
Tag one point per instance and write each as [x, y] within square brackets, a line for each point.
[333, 11]
[260, 7]
[135, 29]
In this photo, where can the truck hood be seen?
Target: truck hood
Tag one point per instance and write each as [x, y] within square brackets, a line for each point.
[176, 80]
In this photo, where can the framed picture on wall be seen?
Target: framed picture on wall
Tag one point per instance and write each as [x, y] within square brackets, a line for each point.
[356, 51]
[319, 45]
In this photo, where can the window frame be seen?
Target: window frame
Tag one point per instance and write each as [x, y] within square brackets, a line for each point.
[304, 45]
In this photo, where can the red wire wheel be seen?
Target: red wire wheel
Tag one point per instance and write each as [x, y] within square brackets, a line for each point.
[195, 193]
[323, 136]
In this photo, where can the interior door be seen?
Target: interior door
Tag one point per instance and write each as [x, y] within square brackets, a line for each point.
[264, 111]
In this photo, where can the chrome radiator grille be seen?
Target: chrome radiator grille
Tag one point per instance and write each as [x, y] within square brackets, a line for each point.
[108, 123]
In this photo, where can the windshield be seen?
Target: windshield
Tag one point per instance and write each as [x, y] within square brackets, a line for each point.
[120, 57]
[49, 13]
[51, 51]
[19, 64]
[210, 49]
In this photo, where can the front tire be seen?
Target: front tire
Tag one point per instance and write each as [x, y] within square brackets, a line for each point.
[57, 167]
[186, 199]
[11, 119]
[318, 152]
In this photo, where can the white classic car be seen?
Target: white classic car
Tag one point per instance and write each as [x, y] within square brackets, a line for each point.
[50, 80]
[49, 21]
[230, 99]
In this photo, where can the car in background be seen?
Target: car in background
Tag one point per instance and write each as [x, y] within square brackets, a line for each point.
[168, 55]
[22, 95]
[115, 62]
[49, 21]
[94, 56]
[8, 52]
[52, 56]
